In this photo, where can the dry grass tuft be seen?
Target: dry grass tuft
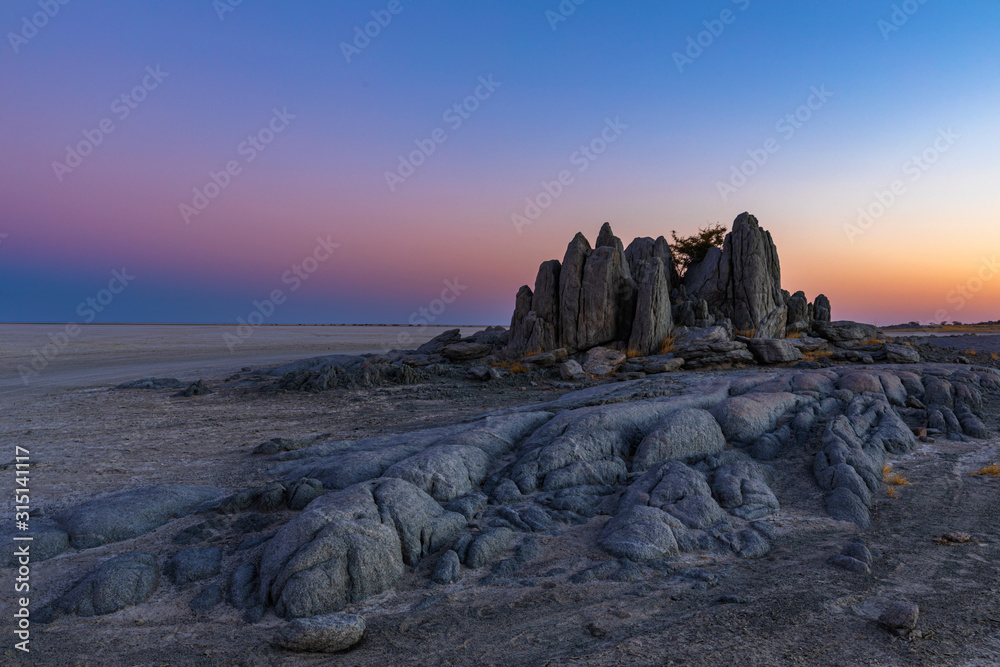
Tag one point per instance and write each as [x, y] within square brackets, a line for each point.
[871, 341]
[512, 367]
[970, 353]
[747, 333]
[816, 355]
[632, 353]
[797, 334]
[992, 470]
[667, 346]
[995, 356]
[891, 492]
[893, 478]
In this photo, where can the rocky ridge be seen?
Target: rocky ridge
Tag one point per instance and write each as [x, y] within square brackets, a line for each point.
[632, 298]
[668, 465]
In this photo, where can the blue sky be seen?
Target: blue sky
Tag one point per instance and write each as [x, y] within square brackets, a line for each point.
[324, 175]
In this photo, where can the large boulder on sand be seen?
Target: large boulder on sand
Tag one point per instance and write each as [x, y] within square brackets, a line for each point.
[773, 350]
[321, 634]
[466, 351]
[438, 343]
[845, 331]
[901, 354]
[602, 361]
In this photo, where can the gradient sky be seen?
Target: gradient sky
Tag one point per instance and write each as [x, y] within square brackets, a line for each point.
[323, 176]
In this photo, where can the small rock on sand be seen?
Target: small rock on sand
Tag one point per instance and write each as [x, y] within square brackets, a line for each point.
[900, 616]
[321, 634]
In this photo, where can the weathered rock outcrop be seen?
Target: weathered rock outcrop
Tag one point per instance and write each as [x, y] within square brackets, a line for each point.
[570, 290]
[350, 545]
[653, 321]
[821, 309]
[587, 300]
[607, 296]
[128, 514]
[743, 281]
[678, 464]
[117, 583]
[321, 634]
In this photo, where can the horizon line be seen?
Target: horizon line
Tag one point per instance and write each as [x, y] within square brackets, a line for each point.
[265, 324]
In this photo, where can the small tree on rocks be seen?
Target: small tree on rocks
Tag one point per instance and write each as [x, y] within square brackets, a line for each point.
[690, 250]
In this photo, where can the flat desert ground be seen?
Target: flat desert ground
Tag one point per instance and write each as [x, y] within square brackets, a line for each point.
[787, 608]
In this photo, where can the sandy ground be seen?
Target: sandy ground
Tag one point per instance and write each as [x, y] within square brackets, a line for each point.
[109, 354]
[793, 608]
[978, 344]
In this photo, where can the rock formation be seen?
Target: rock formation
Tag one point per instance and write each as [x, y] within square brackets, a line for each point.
[634, 297]
[742, 282]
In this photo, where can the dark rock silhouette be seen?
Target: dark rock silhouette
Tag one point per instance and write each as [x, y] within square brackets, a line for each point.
[635, 297]
[742, 282]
